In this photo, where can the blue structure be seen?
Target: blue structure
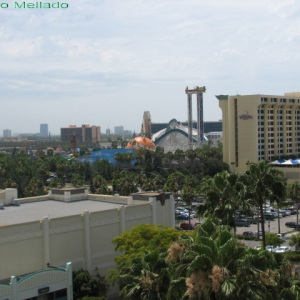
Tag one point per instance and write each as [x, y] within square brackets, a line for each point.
[108, 154]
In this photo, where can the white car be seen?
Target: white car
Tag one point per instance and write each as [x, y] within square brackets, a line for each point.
[271, 248]
[282, 249]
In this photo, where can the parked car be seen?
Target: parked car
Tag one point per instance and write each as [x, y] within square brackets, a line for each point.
[282, 249]
[269, 217]
[187, 226]
[182, 217]
[291, 224]
[258, 247]
[248, 233]
[271, 248]
[242, 222]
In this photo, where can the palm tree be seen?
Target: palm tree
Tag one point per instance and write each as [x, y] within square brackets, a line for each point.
[278, 192]
[224, 195]
[191, 154]
[214, 265]
[294, 193]
[174, 182]
[145, 278]
[260, 178]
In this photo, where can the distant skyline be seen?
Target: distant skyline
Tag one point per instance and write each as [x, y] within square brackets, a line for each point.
[105, 62]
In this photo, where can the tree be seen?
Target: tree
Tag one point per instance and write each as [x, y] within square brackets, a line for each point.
[260, 178]
[34, 188]
[145, 278]
[174, 182]
[273, 239]
[278, 192]
[141, 239]
[87, 285]
[191, 154]
[140, 269]
[214, 265]
[225, 193]
[295, 239]
[294, 193]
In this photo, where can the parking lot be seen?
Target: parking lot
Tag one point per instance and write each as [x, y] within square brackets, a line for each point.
[272, 225]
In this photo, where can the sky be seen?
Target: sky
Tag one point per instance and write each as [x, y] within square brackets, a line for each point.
[105, 62]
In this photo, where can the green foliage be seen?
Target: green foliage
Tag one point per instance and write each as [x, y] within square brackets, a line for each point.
[295, 239]
[141, 239]
[87, 285]
[273, 239]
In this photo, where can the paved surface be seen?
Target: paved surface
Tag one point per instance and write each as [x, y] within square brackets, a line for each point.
[273, 228]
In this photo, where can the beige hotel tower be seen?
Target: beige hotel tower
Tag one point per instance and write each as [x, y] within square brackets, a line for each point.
[259, 127]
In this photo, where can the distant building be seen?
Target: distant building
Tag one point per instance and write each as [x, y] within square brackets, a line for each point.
[107, 132]
[44, 129]
[214, 137]
[119, 130]
[209, 126]
[85, 133]
[127, 133]
[6, 133]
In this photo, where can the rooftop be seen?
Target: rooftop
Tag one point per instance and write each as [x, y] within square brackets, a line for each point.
[35, 211]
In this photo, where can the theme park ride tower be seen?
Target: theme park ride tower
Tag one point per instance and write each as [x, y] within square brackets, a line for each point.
[200, 124]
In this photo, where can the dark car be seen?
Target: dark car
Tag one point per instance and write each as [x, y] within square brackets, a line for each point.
[242, 222]
[187, 226]
[182, 217]
[291, 224]
[269, 217]
[248, 233]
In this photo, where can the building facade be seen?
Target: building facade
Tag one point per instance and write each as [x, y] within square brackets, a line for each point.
[257, 127]
[85, 133]
[44, 129]
[6, 133]
[119, 130]
[68, 225]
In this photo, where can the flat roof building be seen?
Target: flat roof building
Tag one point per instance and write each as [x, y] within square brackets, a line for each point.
[6, 133]
[257, 127]
[85, 133]
[68, 225]
[44, 130]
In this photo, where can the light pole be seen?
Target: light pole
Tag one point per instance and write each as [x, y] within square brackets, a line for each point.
[269, 225]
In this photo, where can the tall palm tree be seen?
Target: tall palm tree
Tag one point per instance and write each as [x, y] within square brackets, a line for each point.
[294, 193]
[278, 192]
[191, 154]
[214, 265]
[224, 195]
[260, 178]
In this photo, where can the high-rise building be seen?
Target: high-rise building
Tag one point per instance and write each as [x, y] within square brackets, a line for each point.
[257, 127]
[44, 129]
[85, 133]
[6, 133]
[119, 130]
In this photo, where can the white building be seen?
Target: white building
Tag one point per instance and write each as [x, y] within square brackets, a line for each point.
[68, 225]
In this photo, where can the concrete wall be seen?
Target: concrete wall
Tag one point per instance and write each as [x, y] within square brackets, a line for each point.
[83, 239]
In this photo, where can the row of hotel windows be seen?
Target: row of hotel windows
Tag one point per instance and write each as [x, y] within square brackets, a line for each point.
[272, 146]
[281, 100]
[271, 152]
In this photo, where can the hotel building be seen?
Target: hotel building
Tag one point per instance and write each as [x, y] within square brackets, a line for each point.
[257, 127]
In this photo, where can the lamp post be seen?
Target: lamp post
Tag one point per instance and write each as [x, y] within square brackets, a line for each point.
[269, 225]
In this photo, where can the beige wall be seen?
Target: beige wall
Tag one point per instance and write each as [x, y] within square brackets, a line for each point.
[241, 135]
[83, 239]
